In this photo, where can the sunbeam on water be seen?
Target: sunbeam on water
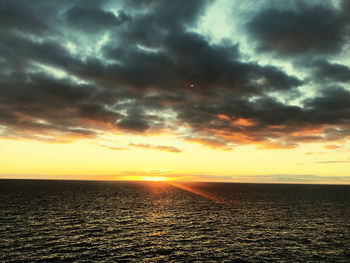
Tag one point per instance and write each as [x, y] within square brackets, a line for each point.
[192, 189]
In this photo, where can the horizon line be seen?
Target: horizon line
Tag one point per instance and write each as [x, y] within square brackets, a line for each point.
[169, 182]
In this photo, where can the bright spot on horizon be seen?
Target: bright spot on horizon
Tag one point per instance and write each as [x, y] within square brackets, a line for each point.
[155, 178]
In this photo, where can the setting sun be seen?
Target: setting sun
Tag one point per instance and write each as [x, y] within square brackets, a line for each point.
[155, 178]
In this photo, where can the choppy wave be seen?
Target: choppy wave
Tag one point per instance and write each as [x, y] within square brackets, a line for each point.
[68, 221]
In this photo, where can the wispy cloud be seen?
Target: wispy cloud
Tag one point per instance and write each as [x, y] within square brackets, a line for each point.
[157, 147]
[315, 153]
[332, 146]
[292, 178]
[113, 147]
[330, 162]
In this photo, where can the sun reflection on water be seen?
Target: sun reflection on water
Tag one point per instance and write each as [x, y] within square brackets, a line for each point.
[208, 196]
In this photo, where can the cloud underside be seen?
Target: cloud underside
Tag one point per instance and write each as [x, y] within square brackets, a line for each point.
[71, 71]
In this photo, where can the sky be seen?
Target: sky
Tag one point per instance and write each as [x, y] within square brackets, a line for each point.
[225, 90]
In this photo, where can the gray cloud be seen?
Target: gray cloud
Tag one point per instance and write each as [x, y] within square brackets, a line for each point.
[77, 71]
[133, 124]
[93, 19]
[325, 71]
[309, 29]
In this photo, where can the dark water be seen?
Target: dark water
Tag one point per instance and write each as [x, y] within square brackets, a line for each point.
[66, 221]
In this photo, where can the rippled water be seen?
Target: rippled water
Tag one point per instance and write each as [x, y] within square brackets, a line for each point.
[75, 221]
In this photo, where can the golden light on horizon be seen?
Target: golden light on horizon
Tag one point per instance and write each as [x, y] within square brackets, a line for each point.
[195, 163]
[155, 178]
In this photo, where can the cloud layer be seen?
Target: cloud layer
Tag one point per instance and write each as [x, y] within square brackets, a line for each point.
[71, 70]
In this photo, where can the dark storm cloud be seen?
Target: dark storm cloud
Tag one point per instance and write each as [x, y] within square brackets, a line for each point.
[30, 18]
[316, 30]
[74, 70]
[44, 105]
[158, 52]
[324, 70]
[188, 59]
[133, 124]
[93, 19]
[273, 123]
[332, 106]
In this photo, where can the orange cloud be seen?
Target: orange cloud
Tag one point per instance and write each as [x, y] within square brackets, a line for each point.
[244, 122]
[223, 117]
[308, 131]
[331, 146]
[314, 153]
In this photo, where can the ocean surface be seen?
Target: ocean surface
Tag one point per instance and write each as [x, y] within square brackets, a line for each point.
[95, 221]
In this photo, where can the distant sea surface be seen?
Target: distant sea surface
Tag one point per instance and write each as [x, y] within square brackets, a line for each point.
[95, 221]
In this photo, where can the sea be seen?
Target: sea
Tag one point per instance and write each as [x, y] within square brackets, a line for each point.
[100, 221]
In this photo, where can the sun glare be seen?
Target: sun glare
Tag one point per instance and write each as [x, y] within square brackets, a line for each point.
[155, 178]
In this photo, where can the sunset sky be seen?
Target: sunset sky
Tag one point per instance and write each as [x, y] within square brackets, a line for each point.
[226, 90]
